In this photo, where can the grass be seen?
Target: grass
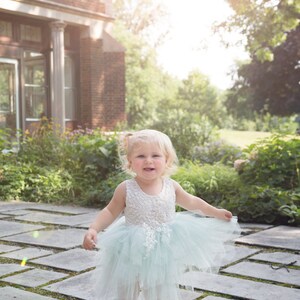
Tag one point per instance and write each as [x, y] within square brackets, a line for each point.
[242, 138]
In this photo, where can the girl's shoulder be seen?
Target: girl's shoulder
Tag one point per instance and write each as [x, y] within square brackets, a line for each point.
[121, 188]
[177, 187]
[172, 182]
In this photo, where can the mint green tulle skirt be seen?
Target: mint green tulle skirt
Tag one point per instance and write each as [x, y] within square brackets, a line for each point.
[138, 262]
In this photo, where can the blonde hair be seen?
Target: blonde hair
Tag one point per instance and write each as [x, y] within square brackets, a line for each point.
[130, 140]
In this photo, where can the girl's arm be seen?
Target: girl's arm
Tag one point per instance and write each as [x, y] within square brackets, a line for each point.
[106, 217]
[193, 203]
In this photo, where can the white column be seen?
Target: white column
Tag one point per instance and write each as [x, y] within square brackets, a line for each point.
[58, 74]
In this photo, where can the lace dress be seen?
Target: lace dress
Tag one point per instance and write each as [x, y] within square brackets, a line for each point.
[144, 253]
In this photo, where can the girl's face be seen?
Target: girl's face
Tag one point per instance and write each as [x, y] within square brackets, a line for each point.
[148, 161]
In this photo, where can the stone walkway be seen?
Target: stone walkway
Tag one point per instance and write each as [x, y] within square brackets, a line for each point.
[41, 258]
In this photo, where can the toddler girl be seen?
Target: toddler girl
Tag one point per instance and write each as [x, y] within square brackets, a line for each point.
[145, 252]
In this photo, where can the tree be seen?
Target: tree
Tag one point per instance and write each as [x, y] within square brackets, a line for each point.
[264, 23]
[143, 18]
[270, 82]
[197, 97]
[271, 86]
[146, 84]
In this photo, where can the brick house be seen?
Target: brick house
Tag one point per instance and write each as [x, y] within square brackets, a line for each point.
[58, 59]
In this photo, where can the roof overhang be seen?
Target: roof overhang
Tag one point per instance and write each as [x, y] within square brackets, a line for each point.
[97, 23]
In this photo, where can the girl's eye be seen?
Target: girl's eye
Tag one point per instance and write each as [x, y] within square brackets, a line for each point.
[156, 155]
[141, 156]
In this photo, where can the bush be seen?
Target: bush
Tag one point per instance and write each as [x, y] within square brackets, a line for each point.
[274, 162]
[261, 204]
[218, 151]
[218, 184]
[51, 167]
[221, 186]
[186, 135]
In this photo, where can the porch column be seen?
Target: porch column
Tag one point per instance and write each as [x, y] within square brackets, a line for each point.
[58, 74]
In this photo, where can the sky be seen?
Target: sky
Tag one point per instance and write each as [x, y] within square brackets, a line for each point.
[191, 44]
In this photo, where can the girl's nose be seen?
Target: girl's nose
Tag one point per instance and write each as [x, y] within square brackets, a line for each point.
[148, 159]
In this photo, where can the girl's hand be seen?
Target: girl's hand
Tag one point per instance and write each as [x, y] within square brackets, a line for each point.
[224, 214]
[90, 239]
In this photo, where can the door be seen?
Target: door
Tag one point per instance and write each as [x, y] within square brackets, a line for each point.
[9, 100]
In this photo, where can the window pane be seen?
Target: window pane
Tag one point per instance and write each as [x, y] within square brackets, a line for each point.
[35, 98]
[31, 33]
[7, 96]
[70, 109]
[70, 89]
[5, 28]
[35, 88]
[34, 68]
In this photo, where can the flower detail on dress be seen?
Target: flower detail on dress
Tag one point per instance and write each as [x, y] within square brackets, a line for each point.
[153, 234]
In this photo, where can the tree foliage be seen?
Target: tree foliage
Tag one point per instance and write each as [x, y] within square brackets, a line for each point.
[270, 86]
[270, 82]
[264, 23]
[199, 98]
[143, 18]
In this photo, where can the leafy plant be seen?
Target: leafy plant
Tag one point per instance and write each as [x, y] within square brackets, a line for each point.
[217, 151]
[186, 135]
[218, 184]
[274, 162]
[261, 204]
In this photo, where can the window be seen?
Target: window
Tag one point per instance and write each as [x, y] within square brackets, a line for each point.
[31, 33]
[35, 87]
[5, 29]
[70, 89]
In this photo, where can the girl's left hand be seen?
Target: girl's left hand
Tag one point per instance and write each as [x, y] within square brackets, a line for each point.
[224, 214]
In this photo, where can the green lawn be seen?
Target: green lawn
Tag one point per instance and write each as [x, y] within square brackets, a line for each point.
[242, 138]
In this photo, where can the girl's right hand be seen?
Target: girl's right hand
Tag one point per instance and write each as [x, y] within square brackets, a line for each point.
[90, 239]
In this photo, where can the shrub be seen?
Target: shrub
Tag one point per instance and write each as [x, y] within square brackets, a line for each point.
[274, 162]
[51, 167]
[218, 184]
[217, 151]
[186, 135]
[261, 204]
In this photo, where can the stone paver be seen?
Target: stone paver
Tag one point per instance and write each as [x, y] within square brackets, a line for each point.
[285, 237]
[61, 239]
[278, 257]
[238, 253]
[214, 298]
[34, 278]
[15, 205]
[255, 226]
[57, 264]
[6, 269]
[264, 271]
[8, 248]
[28, 253]
[8, 228]
[9, 293]
[20, 212]
[79, 286]
[58, 219]
[189, 295]
[237, 287]
[73, 260]
[72, 210]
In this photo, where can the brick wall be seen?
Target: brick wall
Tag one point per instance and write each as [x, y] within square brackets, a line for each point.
[114, 88]
[85, 104]
[91, 5]
[102, 84]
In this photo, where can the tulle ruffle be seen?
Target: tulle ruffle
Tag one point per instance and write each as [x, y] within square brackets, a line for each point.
[135, 260]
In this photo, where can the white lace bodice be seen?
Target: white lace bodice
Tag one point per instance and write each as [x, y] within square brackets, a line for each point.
[149, 210]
